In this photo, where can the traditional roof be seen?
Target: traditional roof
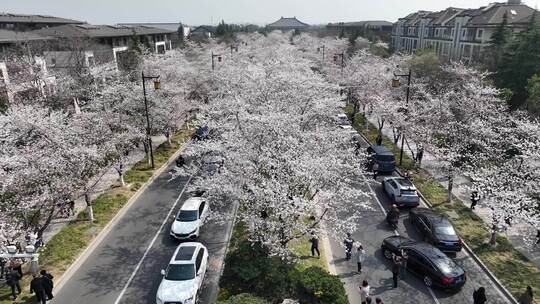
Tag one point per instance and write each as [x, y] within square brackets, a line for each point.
[7, 36]
[204, 29]
[288, 23]
[98, 31]
[161, 25]
[18, 18]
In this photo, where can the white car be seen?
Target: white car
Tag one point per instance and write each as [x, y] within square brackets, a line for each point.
[343, 121]
[190, 218]
[184, 275]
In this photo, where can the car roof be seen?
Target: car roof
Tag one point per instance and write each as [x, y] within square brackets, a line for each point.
[185, 253]
[342, 115]
[192, 203]
[382, 150]
[403, 182]
[426, 250]
[433, 216]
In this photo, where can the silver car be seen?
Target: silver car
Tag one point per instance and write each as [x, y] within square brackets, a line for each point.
[401, 191]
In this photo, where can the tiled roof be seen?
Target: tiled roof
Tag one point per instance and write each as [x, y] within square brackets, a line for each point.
[12, 36]
[288, 22]
[204, 28]
[18, 18]
[98, 31]
[165, 26]
[362, 23]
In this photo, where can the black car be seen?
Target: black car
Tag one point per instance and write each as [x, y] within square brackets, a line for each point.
[435, 229]
[427, 262]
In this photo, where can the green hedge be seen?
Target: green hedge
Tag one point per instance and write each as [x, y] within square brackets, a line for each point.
[244, 298]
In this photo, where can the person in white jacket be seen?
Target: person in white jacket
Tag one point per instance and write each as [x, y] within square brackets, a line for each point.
[360, 256]
[364, 292]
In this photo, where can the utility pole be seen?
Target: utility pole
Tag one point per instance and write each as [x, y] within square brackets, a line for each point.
[148, 134]
[395, 83]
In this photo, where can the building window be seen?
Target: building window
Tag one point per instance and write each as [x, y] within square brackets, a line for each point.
[463, 33]
[452, 33]
[479, 34]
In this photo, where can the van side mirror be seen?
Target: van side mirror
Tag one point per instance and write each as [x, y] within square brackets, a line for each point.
[162, 272]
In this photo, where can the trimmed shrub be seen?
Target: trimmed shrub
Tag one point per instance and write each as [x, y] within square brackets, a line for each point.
[317, 286]
[244, 298]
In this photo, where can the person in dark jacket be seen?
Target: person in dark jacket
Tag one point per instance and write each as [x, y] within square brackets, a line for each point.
[13, 281]
[3, 271]
[36, 286]
[48, 283]
[348, 242]
[475, 198]
[395, 274]
[479, 296]
[527, 297]
[379, 139]
[314, 240]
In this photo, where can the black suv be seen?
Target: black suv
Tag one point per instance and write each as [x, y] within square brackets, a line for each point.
[435, 229]
[427, 262]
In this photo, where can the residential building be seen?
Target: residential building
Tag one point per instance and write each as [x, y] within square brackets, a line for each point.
[457, 33]
[173, 27]
[361, 26]
[103, 42]
[18, 22]
[287, 24]
[204, 31]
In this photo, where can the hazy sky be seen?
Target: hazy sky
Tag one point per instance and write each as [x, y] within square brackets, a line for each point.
[195, 12]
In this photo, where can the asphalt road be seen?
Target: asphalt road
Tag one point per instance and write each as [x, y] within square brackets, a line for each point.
[103, 277]
[376, 270]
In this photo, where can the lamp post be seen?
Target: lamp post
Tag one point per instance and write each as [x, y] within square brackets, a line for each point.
[218, 58]
[396, 84]
[157, 86]
[342, 55]
[323, 47]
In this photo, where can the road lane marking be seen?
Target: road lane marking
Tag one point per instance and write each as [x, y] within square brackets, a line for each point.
[132, 276]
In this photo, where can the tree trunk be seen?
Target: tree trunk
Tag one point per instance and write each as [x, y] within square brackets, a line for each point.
[89, 209]
[168, 136]
[147, 152]
[450, 187]
[76, 105]
[493, 238]
[120, 171]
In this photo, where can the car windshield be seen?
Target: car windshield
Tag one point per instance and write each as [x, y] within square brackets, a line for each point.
[408, 192]
[446, 230]
[180, 272]
[385, 157]
[187, 216]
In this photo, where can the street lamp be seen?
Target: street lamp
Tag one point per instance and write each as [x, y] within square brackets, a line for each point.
[157, 86]
[218, 58]
[323, 47]
[396, 84]
[342, 55]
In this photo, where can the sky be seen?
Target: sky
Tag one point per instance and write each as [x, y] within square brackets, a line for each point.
[197, 12]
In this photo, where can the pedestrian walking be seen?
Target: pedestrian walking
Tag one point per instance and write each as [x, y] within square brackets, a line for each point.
[395, 274]
[403, 266]
[3, 263]
[180, 161]
[71, 206]
[36, 287]
[360, 256]
[379, 139]
[408, 176]
[378, 301]
[349, 241]
[48, 283]
[475, 198]
[314, 240]
[16, 264]
[420, 155]
[375, 169]
[13, 281]
[364, 292]
[479, 296]
[357, 147]
[527, 296]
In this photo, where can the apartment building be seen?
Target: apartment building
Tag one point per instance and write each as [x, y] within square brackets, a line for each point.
[21, 23]
[457, 33]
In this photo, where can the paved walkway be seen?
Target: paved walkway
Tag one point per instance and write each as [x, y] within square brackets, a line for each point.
[462, 184]
[109, 180]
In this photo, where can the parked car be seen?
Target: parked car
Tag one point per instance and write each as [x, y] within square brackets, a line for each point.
[401, 191]
[343, 122]
[426, 261]
[190, 218]
[435, 229]
[383, 157]
[183, 277]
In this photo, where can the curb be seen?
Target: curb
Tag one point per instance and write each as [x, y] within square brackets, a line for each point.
[236, 205]
[471, 253]
[81, 258]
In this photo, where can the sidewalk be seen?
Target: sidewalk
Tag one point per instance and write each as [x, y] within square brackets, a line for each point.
[107, 181]
[431, 164]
